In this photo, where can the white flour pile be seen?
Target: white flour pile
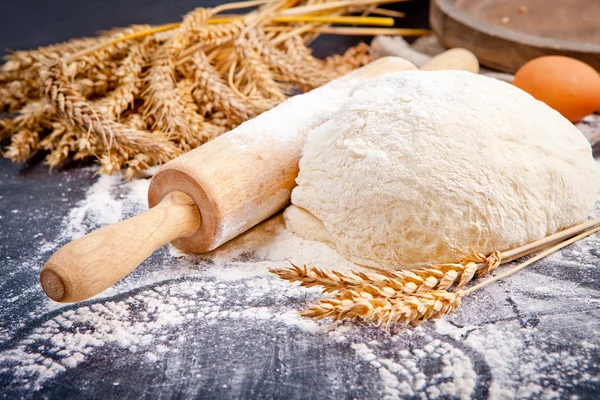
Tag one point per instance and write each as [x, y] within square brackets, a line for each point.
[506, 341]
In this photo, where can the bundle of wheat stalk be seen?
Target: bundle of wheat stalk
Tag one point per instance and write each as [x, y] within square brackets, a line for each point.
[389, 297]
[137, 97]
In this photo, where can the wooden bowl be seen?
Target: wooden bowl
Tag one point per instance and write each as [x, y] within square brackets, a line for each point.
[505, 34]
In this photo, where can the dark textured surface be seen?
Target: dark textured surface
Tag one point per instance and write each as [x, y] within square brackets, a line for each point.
[531, 336]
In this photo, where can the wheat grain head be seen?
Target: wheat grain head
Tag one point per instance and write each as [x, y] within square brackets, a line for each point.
[384, 312]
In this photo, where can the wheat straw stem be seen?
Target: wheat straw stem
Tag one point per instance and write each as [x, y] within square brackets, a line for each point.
[239, 5]
[350, 20]
[324, 19]
[349, 31]
[232, 83]
[267, 13]
[346, 31]
[264, 14]
[521, 251]
[294, 32]
[535, 249]
[387, 13]
[137, 35]
[533, 259]
[289, 4]
[315, 8]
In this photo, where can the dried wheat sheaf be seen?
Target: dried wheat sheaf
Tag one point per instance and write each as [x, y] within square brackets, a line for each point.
[137, 97]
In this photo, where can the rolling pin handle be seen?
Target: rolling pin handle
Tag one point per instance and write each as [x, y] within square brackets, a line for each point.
[94, 262]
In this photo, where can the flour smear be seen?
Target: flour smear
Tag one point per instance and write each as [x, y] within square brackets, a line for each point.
[533, 335]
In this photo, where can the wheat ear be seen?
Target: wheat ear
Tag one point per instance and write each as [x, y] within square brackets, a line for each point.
[33, 119]
[62, 141]
[391, 282]
[6, 127]
[98, 58]
[214, 35]
[97, 80]
[353, 58]
[19, 61]
[203, 131]
[162, 99]
[15, 94]
[259, 78]
[78, 111]
[213, 92]
[130, 82]
[384, 312]
[307, 77]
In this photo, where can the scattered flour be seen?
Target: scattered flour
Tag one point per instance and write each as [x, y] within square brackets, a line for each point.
[404, 375]
[520, 368]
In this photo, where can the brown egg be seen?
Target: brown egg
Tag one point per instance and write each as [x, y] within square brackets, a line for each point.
[569, 86]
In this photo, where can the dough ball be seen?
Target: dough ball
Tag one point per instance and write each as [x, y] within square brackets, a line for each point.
[425, 167]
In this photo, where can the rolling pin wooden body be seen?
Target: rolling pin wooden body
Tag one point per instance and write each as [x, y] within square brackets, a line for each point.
[210, 195]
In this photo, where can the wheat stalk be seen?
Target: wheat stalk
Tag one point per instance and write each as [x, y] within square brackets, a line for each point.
[580, 228]
[334, 5]
[33, 119]
[391, 297]
[385, 12]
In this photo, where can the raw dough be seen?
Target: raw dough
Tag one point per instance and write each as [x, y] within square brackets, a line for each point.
[424, 167]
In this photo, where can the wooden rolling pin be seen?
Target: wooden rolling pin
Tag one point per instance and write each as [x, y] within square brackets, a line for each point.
[210, 195]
